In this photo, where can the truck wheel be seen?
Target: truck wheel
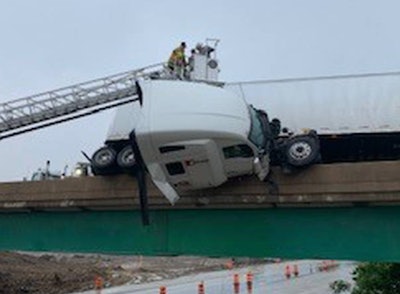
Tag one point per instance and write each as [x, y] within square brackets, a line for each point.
[126, 158]
[103, 160]
[302, 151]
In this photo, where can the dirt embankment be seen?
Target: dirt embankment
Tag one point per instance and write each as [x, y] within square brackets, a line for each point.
[66, 273]
[20, 273]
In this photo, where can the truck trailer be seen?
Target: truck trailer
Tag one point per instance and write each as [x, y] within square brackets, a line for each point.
[356, 116]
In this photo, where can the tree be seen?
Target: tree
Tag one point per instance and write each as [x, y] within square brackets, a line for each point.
[377, 278]
[340, 286]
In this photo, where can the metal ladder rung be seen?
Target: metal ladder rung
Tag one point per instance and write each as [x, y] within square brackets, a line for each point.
[68, 100]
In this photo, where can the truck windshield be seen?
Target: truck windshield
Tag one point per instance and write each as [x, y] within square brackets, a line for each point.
[257, 134]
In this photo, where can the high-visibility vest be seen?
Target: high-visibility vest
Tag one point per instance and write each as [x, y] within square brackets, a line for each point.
[177, 57]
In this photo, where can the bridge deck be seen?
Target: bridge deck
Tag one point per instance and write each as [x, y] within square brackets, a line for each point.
[346, 184]
[100, 215]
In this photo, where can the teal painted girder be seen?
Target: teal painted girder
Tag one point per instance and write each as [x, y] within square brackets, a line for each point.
[358, 233]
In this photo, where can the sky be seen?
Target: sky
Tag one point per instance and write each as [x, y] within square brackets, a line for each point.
[47, 44]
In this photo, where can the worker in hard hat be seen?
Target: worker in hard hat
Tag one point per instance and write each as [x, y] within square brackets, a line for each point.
[177, 61]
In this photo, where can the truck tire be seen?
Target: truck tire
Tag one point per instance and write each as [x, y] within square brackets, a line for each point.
[302, 151]
[103, 161]
[126, 158]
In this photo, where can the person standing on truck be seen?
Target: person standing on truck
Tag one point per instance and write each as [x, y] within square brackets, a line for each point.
[190, 64]
[177, 61]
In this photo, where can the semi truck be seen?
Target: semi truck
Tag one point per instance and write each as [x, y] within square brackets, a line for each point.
[196, 134]
[323, 119]
[193, 135]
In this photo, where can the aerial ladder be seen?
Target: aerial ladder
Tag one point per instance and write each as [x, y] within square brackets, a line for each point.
[53, 107]
[84, 99]
[68, 103]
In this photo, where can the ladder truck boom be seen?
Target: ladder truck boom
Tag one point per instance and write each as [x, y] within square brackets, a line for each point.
[52, 107]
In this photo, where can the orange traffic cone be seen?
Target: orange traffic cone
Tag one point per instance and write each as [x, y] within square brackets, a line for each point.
[249, 282]
[288, 272]
[201, 288]
[324, 265]
[163, 290]
[236, 284]
[295, 270]
[98, 284]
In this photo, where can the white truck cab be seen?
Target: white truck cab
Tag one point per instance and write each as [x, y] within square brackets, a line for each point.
[196, 136]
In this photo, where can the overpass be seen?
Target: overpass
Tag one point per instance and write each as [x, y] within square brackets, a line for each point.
[336, 211]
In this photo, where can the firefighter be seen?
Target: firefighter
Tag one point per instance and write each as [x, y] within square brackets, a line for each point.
[177, 61]
[190, 64]
[191, 60]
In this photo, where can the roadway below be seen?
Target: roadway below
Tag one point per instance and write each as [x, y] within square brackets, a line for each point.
[268, 278]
